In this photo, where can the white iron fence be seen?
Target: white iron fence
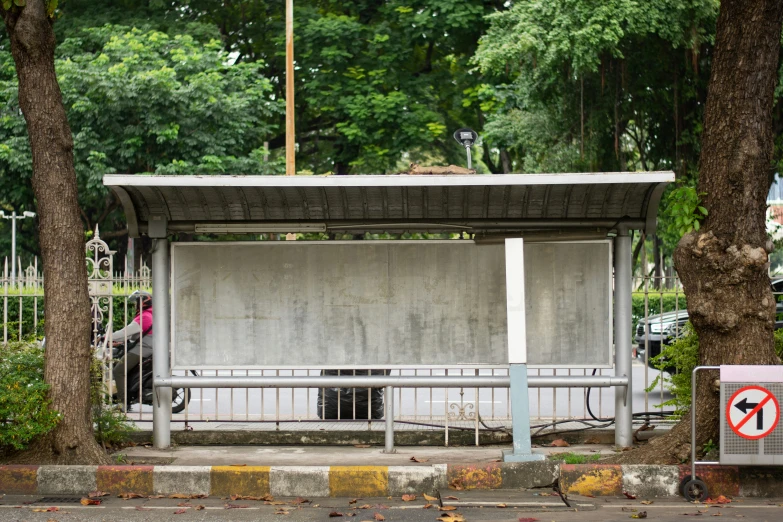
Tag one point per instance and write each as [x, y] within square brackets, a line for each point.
[288, 408]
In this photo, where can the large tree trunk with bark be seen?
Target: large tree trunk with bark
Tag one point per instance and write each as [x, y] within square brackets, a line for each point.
[68, 357]
[723, 266]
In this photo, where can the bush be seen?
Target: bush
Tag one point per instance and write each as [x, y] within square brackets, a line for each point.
[25, 411]
[112, 427]
[683, 355]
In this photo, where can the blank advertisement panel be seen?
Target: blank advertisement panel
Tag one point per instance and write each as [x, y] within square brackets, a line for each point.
[381, 304]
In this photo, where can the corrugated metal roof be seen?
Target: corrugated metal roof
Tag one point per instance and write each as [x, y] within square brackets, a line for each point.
[478, 202]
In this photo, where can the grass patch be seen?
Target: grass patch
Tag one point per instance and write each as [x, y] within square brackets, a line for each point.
[574, 458]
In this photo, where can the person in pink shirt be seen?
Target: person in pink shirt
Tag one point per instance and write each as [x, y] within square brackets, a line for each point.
[138, 335]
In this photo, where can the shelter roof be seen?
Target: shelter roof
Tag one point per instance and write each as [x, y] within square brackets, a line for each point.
[475, 203]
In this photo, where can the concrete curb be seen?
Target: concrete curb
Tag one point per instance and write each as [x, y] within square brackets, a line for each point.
[382, 481]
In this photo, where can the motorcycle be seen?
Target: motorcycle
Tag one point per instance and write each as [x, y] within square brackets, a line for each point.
[180, 397]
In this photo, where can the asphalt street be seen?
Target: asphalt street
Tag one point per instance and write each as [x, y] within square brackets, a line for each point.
[484, 508]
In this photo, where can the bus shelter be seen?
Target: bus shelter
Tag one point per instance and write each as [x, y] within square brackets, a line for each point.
[524, 252]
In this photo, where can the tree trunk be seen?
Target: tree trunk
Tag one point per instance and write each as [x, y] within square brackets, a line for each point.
[723, 266]
[68, 357]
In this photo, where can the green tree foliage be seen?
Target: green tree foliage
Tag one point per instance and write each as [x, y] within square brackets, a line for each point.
[144, 101]
[374, 79]
[633, 72]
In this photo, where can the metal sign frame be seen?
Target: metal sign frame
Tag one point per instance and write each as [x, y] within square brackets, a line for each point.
[512, 324]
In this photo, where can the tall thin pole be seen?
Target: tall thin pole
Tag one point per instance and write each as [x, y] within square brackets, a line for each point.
[13, 247]
[290, 138]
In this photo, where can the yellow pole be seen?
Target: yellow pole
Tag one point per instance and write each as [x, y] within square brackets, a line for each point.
[290, 136]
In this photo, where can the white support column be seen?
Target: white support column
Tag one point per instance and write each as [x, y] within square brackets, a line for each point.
[517, 354]
[161, 316]
[623, 407]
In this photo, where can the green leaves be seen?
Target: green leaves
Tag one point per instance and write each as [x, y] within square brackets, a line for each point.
[683, 211]
[24, 405]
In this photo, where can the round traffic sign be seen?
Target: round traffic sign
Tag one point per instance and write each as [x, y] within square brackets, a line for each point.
[752, 412]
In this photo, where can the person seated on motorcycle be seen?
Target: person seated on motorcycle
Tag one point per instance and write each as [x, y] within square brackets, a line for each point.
[140, 328]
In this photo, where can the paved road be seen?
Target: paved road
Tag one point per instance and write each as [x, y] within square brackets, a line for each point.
[302, 404]
[609, 509]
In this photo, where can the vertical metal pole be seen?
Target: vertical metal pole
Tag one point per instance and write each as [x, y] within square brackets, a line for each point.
[161, 403]
[623, 396]
[470, 158]
[517, 354]
[389, 439]
[13, 247]
[290, 137]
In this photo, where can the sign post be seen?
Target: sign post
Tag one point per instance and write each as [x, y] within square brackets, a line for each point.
[517, 354]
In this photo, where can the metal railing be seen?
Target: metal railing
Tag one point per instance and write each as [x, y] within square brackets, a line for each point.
[476, 404]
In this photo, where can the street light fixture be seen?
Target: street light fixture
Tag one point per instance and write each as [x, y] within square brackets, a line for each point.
[466, 137]
[14, 218]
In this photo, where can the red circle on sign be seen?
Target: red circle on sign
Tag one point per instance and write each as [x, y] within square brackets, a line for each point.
[729, 404]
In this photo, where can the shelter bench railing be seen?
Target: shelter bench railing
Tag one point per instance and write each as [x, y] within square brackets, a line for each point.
[388, 382]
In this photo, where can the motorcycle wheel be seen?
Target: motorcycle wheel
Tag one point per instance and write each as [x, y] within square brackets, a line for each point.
[180, 397]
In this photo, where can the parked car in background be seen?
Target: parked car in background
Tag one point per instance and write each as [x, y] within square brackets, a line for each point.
[663, 329]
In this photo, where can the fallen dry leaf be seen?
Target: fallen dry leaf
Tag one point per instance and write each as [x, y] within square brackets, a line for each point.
[235, 506]
[46, 510]
[274, 503]
[501, 505]
[427, 506]
[365, 506]
[352, 501]
[408, 498]
[184, 496]
[157, 496]
[127, 496]
[199, 507]
[646, 502]
[593, 440]
[640, 514]
[180, 511]
[447, 508]
[414, 459]
[719, 500]
[450, 498]
[362, 446]
[299, 500]
[96, 494]
[282, 512]
[629, 496]
[142, 508]
[427, 497]
[378, 517]
[451, 517]
[335, 514]
[559, 443]
[90, 502]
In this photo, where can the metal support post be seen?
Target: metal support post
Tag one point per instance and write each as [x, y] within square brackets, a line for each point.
[13, 247]
[517, 354]
[389, 403]
[161, 315]
[623, 408]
